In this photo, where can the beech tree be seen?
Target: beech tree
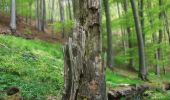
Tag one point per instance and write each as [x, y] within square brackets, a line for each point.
[69, 8]
[109, 34]
[84, 69]
[13, 17]
[128, 30]
[141, 16]
[41, 14]
[161, 16]
[141, 49]
[62, 16]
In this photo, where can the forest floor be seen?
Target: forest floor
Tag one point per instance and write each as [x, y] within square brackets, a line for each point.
[29, 31]
[36, 67]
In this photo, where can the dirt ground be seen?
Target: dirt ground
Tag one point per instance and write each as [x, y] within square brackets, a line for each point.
[29, 31]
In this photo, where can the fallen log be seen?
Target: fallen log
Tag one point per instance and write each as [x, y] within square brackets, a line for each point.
[126, 91]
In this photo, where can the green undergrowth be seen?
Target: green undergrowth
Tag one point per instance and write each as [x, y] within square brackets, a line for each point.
[34, 66]
[122, 77]
[159, 79]
[115, 78]
[157, 95]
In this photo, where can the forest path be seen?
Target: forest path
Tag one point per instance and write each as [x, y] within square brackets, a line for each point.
[29, 31]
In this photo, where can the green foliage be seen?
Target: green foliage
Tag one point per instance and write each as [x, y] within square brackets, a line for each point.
[67, 26]
[121, 59]
[28, 31]
[119, 25]
[36, 67]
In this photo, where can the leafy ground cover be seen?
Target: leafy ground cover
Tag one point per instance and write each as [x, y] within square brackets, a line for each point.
[36, 67]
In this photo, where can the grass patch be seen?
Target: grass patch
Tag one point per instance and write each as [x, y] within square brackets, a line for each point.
[35, 66]
[114, 79]
[157, 95]
[163, 78]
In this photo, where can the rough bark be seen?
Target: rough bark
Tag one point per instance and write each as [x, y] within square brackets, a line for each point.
[141, 50]
[84, 70]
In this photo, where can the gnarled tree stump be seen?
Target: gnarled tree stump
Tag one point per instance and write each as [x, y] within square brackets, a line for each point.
[84, 70]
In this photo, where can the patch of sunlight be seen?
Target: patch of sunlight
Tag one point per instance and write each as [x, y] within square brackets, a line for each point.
[40, 52]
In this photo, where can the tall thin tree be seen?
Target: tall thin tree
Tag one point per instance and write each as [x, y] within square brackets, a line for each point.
[141, 49]
[62, 16]
[109, 35]
[13, 17]
[141, 16]
[161, 16]
[128, 29]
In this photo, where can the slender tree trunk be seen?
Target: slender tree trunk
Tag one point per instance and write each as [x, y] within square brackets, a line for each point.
[62, 16]
[109, 35]
[141, 14]
[30, 9]
[52, 15]
[13, 17]
[167, 27]
[84, 70]
[38, 14]
[161, 16]
[41, 14]
[74, 7]
[69, 7]
[131, 60]
[141, 50]
[154, 37]
[122, 30]
[43, 20]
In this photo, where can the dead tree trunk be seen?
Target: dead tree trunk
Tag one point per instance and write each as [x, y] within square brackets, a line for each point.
[84, 70]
